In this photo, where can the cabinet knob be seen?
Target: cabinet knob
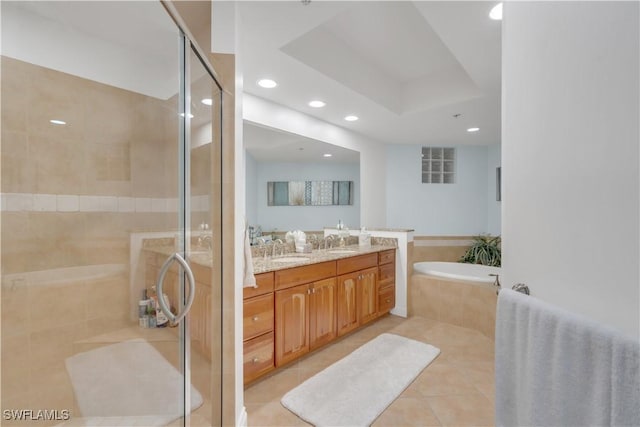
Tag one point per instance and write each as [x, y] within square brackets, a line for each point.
[255, 360]
[388, 299]
[255, 318]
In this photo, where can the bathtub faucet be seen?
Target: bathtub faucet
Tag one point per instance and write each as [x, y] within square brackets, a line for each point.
[496, 283]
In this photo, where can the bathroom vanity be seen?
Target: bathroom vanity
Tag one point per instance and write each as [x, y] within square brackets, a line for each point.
[298, 308]
[302, 301]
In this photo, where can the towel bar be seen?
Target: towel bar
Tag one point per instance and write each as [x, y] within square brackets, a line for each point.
[518, 287]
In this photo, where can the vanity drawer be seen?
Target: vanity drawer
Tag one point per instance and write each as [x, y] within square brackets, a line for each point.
[386, 299]
[258, 316]
[258, 357]
[386, 275]
[385, 257]
[355, 263]
[290, 277]
[265, 285]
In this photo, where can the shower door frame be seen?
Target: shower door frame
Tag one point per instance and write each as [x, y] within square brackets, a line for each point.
[188, 45]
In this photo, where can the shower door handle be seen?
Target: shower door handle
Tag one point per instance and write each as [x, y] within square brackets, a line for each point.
[175, 319]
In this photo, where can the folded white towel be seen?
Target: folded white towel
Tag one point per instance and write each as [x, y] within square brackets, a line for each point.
[555, 368]
[249, 279]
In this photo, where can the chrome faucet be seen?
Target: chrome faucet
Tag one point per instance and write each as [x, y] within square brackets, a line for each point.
[328, 241]
[275, 247]
[205, 239]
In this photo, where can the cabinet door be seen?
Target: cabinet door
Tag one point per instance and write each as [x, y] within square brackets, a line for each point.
[292, 323]
[347, 302]
[367, 295]
[322, 312]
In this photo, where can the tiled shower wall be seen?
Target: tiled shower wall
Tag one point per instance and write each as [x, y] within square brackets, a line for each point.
[71, 196]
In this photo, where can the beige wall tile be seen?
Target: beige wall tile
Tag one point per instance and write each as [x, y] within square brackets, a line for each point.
[449, 302]
[52, 306]
[425, 297]
[16, 79]
[18, 171]
[15, 308]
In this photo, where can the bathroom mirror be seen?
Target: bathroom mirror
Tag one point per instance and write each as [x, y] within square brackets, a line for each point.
[280, 165]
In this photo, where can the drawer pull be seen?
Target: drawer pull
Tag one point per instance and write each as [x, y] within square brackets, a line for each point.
[255, 360]
[255, 318]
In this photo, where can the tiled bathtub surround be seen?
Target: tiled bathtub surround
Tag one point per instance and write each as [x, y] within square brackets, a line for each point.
[440, 248]
[467, 304]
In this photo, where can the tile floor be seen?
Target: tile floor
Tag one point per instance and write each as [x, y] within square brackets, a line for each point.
[456, 389]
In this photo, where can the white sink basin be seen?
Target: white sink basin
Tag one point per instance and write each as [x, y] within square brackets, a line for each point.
[342, 251]
[290, 259]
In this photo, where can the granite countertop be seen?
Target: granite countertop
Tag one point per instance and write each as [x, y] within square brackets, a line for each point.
[394, 230]
[260, 265]
[316, 256]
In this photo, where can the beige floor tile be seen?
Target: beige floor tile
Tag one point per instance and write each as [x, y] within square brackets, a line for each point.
[455, 389]
[407, 411]
[443, 380]
[272, 414]
[488, 390]
[467, 410]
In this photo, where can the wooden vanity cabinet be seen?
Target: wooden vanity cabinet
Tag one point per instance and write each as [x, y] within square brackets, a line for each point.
[368, 295]
[305, 309]
[357, 291]
[347, 303]
[312, 305]
[292, 323]
[258, 328]
[386, 281]
[305, 319]
[322, 312]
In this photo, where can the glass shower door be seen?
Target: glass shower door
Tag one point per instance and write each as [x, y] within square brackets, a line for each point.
[103, 180]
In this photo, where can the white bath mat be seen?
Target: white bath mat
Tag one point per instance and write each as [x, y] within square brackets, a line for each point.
[356, 389]
[130, 379]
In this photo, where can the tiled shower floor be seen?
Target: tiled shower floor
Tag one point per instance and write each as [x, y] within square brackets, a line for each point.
[456, 389]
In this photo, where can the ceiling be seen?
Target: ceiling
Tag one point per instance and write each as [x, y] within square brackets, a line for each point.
[404, 68]
[271, 145]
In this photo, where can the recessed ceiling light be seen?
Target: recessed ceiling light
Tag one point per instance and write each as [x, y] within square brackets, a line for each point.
[267, 83]
[327, 155]
[57, 122]
[317, 104]
[351, 118]
[207, 101]
[496, 12]
[473, 129]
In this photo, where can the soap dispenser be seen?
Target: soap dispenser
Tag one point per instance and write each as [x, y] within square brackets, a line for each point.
[364, 239]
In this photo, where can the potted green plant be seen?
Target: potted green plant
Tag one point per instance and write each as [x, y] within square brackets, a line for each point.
[484, 250]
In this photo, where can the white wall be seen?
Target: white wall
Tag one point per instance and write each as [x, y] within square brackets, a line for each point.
[251, 189]
[458, 209]
[281, 218]
[372, 153]
[570, 156]
[494, 222]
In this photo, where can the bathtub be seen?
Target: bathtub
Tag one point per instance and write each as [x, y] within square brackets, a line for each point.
[456, 293]
[457, 270]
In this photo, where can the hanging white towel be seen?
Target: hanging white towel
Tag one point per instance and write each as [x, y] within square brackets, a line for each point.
[249, 280]
[555, 368]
